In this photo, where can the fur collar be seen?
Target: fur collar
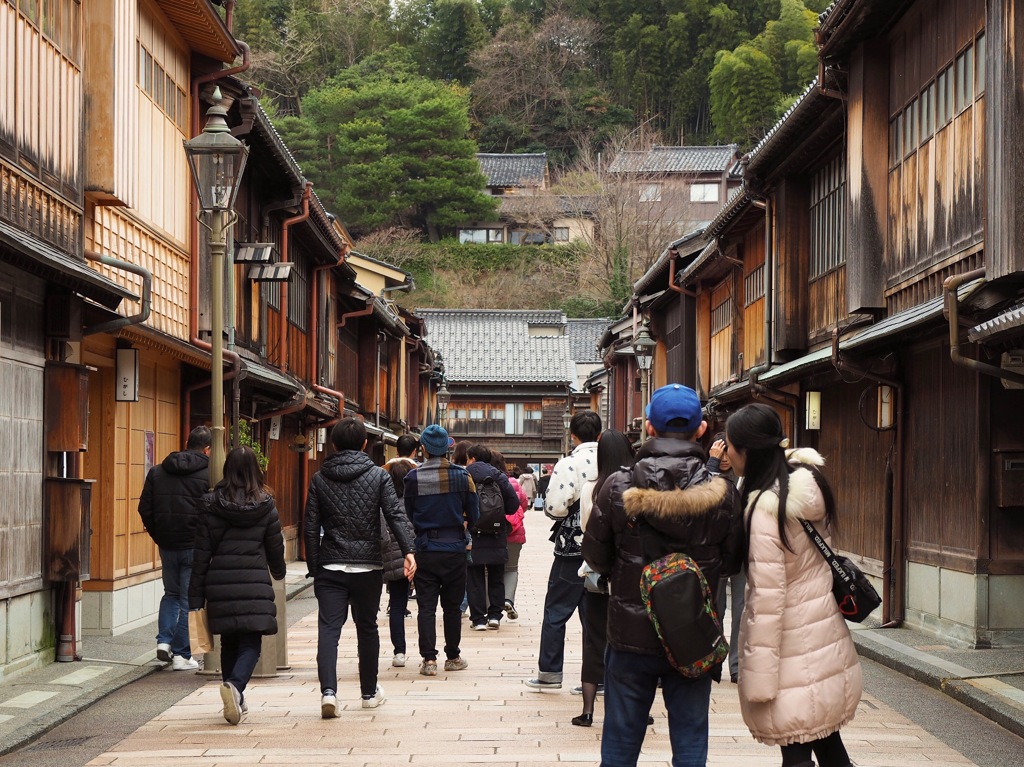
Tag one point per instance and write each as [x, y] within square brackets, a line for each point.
[668, 504]
[803, 501]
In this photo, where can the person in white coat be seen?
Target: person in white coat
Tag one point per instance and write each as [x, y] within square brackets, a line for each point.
[799, 676]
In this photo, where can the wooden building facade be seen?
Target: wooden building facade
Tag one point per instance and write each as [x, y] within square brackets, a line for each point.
[104, 306]
[867, 283]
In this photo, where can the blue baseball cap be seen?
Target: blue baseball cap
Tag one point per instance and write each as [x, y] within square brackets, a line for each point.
[673, 402]
[435, 440]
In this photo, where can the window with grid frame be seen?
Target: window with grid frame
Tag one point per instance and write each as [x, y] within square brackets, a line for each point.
[828, 216]
[298, 294]
[721, 316]
[753, 285]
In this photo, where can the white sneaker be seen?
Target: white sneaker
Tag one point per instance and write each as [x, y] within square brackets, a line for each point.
[329, 706]
[372, 701]
[399, 660]
[181, 663]
[232, 703]
[163, 652]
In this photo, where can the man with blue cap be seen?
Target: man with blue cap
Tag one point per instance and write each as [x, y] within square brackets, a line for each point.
[441, 501]
[667, 503]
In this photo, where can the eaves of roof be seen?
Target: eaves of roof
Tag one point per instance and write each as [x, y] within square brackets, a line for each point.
[736, 204]
[387, 317]
[688, 244]
[1010, 320]
[202, 27]
[695, 267]
[799, 120]
[846, 23]
[881, 332]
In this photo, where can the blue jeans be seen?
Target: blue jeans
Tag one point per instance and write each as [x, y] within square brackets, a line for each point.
[563, 598]
[239, 654]
[630, 683]
[172, 622]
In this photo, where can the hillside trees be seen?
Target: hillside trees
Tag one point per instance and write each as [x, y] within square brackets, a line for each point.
[386, 146]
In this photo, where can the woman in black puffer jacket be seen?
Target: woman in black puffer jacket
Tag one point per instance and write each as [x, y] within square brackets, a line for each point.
[238, 539]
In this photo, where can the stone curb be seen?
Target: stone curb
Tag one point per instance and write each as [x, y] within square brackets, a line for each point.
[990, 706]
[41, 725]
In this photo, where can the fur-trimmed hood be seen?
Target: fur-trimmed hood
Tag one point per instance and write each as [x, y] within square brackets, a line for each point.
[668, 504]
[804, 499]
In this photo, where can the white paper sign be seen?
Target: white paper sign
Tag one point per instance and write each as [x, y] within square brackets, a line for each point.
[275, 427]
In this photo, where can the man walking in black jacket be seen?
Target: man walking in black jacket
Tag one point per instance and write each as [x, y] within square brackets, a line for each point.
[346, 499]
[168, 510]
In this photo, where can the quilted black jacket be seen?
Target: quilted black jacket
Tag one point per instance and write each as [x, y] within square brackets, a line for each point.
[236, 543]
[169, 497]
[346, 498]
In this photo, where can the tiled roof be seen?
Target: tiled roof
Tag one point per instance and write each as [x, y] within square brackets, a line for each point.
[676, 159]
[583, 337]
[547, 205]
[495, 346]
[523, 170]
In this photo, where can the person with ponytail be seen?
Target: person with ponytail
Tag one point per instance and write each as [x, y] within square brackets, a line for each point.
[799, 674]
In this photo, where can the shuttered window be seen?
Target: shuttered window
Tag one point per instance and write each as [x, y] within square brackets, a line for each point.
[828, 217]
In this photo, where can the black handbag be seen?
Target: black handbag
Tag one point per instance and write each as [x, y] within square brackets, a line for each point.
[854, 594]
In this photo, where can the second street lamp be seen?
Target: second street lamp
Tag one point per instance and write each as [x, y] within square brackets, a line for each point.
[643, 350]
[566, 421]
[443, 398]
[217, 161]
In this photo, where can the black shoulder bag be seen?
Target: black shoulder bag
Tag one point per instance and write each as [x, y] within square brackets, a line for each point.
[854, 593]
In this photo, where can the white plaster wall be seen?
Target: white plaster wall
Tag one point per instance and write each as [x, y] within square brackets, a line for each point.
[110, 613]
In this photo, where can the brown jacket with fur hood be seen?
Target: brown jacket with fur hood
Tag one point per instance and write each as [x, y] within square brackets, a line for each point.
[685, 509]
[800, 677]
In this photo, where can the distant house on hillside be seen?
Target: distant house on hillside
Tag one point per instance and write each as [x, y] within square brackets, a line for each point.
[687, 184]
[528, 213]
[510, 374]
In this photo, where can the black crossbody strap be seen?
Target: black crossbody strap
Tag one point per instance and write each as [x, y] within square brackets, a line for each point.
[837, 569]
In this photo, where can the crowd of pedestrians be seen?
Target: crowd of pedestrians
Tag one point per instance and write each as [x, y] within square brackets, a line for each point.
[447, 532]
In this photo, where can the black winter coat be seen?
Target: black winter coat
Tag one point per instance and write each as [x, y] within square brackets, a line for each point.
[492, 549]
[391, 552]
[683, 508]
[346, 498]
[236, 543]
[169, 498]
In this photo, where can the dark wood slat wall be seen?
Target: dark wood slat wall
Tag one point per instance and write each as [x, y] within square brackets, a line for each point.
[942, 459]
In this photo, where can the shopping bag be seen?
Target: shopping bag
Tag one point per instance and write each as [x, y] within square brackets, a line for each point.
[199, 637]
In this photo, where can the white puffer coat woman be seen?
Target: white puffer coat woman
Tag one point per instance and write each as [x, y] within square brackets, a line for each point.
[800, 678]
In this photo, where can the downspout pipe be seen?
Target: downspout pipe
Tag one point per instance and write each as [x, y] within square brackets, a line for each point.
[146, 301]
[950, 286]
[285, 257]
[894, 521]
[672, 278]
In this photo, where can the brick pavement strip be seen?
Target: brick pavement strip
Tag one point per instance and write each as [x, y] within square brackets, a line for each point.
[484, 715]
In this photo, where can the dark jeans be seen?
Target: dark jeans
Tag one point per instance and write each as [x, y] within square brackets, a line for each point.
[239, 654]
[172, 620]
[398, 603]
[563, 598]
[630, 683]
[335, 592]
[485, 587]
[830, 752]
[440, 576]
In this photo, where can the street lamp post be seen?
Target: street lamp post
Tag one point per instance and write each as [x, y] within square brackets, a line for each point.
[643, 350]
[566, 420]
[443, 398]
[217, 161]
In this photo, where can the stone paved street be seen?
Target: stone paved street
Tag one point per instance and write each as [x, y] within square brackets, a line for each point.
[483, 715]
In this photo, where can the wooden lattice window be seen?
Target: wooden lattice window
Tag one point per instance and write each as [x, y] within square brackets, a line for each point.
[753, 285]
[828, 216]
[721, 316]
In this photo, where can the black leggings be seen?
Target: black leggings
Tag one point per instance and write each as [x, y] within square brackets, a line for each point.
[830, 752]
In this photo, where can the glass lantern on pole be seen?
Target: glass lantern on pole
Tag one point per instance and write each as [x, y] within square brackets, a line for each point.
[566, 421]
[643, 351]
[444, 397]
[217, 160]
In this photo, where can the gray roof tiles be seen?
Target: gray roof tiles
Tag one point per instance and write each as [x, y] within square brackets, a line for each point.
[517, 170]
[584, 336]
[676, 159]
[496, 346]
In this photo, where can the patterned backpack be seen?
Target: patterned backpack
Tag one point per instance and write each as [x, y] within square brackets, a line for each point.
[682, 609]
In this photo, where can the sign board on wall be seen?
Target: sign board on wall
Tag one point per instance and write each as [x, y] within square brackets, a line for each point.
[275, 427]
[127, 372]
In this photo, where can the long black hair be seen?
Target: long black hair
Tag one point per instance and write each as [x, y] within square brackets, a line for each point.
[757, 429]
[243, 480]
[614, 452]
